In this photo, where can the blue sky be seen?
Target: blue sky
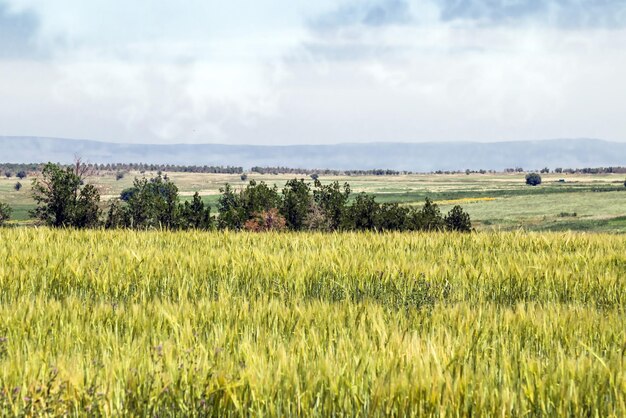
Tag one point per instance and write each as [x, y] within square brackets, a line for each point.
[294, 71]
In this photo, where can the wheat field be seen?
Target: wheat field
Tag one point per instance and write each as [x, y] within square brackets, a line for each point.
[104, 323]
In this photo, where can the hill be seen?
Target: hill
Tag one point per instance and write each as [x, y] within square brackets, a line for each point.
[419, 157]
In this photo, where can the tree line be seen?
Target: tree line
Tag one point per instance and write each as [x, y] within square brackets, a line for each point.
[327, 172]
[63, 199]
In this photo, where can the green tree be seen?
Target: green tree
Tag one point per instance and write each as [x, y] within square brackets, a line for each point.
[231, 213]
[62, 198]
[18, 186]
[258, 198]
[393, 217]
[428, 218]
[5, 213]
[296, 203]
[196, 215]
[458, 220]
[21, 174]
[533, 179]
[154, 203]
[332, 199]
[363, 214]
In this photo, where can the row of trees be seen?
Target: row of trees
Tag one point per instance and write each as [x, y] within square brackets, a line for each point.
[326, 172]
[64, 200]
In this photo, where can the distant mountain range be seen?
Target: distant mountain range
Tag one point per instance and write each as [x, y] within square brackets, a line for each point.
[418, 157]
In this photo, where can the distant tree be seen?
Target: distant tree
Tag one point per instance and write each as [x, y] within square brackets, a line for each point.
[244, 177]
[18, 186]
[545, 170]
[8, 174]
[21, 174]
[119, 175]
[315, 176]
[533, 179]
[458, 220]
[558, 170]
[62, 198]
[5, 213]
[296, 203]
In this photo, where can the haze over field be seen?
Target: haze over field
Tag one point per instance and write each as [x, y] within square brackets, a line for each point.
[302, 72]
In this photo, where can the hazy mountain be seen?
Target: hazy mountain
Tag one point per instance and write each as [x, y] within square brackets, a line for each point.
[421, 157]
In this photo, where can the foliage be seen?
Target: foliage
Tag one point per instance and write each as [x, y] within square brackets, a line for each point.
[296, 202]
[21, 174]
[123, 323]
[17, 186]
[152, 203]
[5, 213]
[458, 220]
[332, 199]
[533, 179]
[363, 214]
[196, 215]
[63, 200]
[270, 220]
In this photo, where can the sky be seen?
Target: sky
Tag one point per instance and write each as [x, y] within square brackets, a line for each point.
[313, 72]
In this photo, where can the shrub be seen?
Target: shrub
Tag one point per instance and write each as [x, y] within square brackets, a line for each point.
[458, 220]
[18, 186]
[533, 179]
[5, 213]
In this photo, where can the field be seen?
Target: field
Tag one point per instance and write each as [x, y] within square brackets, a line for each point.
[190, 323]
[495, 201]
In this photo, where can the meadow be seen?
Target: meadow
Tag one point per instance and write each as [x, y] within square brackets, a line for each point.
[500, 202]
[104, 323]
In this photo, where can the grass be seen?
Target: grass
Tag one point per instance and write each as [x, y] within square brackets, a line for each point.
[196, 324]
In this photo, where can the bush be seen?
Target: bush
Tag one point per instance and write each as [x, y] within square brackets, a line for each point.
[533, 179]
[458, 220]
[21, 174]
[5, 213]
[18, 186]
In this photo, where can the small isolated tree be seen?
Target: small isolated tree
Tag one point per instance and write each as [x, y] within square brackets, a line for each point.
[18, 186]
[5, 213]
[533, 179]
[119, 175]
[21, 174]
[8, 174]
[244, 177]
[458, 220]
[315, 176]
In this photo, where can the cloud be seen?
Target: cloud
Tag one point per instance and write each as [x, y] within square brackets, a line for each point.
[18, 32]
[556, 13]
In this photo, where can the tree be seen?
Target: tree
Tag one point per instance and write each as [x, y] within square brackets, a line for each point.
[332, 200]
[458, 220]
[269, 220]
[533, 179]
[195, 215]
[62, 198]
[21, 174]
[230, 209]
[5, 213]
[363, 214]
[296, 203]
[428, 218]
[244, 177]
[119, 175]
[393, 217]
[153, 204]
[545, 170]
[18, 186]
[8, 174]
[314, 176]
